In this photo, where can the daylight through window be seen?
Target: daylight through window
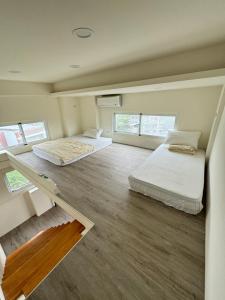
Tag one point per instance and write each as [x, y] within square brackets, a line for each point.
[144, 124]
[127, 123]
[21, 134]
[15, 180]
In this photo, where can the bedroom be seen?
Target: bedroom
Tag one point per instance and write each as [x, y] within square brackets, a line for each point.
[133, 246]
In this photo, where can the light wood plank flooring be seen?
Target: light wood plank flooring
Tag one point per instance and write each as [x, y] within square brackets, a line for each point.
[138, 249]
[23, 233]
[29, 265]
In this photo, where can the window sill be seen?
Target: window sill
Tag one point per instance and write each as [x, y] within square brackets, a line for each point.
[125, 133]
[137, 135]
[23, 189]
[24, 148]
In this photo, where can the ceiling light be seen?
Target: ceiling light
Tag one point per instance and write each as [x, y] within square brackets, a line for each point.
[83, 32]
[14, 71]
[75, 66]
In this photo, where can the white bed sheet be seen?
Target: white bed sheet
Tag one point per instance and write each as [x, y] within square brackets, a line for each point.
[99, 144]
[173, 178]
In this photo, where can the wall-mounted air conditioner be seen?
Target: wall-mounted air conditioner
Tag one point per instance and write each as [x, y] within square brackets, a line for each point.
[109, 101]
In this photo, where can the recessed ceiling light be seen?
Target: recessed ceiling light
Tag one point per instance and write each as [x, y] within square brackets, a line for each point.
[83, 32]
[14, 71]
[75, 66]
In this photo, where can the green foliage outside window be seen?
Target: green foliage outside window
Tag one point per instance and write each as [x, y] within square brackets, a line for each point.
[16, 180]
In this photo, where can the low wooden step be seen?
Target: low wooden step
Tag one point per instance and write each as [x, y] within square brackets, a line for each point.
[32, 262]
[27, 250]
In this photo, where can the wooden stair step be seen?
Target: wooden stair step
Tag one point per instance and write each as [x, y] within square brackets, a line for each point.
[28, 249]
[29, 275]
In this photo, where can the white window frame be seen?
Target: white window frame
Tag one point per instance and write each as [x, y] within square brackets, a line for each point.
[22, 188]
[23, 135]
[124, 132]
[140, 119]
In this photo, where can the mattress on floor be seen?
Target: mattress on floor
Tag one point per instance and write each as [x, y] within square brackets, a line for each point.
[175, 179]
[93, 145]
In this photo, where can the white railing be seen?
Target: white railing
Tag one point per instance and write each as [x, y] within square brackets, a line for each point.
[49, 188]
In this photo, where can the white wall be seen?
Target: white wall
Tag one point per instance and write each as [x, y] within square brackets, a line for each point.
[194, 108]
[32, 108]
[11, 87]
[18, 206]
[14, 207]
[216, 121]
[89, 113]
[70, 114]
[28, 101]
[215, 219]
[14, 212]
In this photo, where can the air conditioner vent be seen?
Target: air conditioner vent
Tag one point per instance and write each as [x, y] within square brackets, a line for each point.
[109, 101]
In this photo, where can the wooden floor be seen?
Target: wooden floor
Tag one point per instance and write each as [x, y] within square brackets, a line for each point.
[139, 248]
[28, 265]
[23, 233]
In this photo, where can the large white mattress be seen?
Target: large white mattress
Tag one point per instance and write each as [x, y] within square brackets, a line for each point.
[98, 144]
[173, 178]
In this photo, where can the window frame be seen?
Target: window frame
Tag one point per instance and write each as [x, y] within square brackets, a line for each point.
[140, 120]
[124, 132]
[22, 188]
[20, 125]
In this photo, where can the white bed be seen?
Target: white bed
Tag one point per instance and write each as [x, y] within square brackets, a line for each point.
[97, 144]
[173, 178]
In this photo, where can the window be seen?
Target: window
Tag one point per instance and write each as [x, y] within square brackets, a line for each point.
[127, 123]
[157, 125]
[21, 134]
[15, 181]
[144, 124]
[10, 136]
[34, 131]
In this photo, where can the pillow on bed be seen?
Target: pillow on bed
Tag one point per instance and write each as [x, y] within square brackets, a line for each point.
[189, 138]
[182, 149]
[93, 133]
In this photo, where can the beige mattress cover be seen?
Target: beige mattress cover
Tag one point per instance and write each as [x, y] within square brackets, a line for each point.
[65, 149]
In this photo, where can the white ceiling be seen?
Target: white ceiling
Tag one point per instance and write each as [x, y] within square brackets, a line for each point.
[182, 81]
[36, 38]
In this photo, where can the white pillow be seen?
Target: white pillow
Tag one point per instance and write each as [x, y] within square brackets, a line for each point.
[93, 133]
[189, 138]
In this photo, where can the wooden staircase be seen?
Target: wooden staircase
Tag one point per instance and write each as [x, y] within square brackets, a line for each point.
[27, 266]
